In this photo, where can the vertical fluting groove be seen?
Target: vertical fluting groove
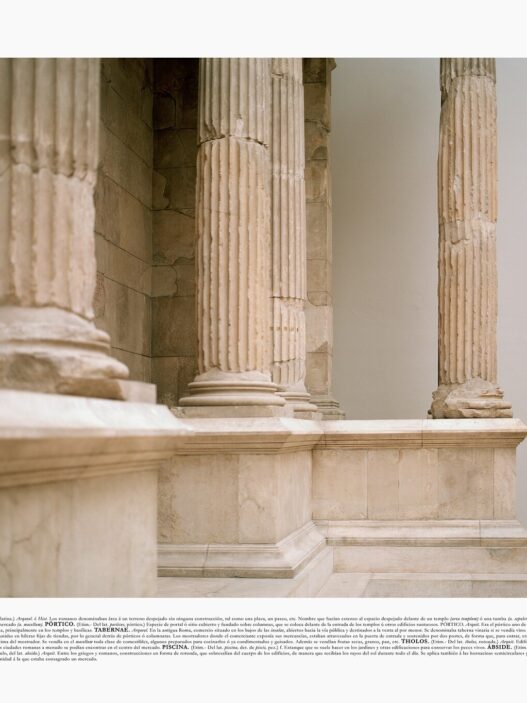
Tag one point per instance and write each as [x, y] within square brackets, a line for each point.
[467, 221]
[288, 224]
[232, 199]
[48, 160]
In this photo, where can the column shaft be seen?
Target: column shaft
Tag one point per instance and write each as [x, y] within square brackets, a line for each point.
[232, 213]
[49, 114]
[288, 234]
[467, 208]
[319, 307]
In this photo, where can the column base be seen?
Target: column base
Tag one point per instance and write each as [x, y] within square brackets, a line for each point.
[474, 399]
[328, 407]
[299, 400]
[226, 394]
[50, 350]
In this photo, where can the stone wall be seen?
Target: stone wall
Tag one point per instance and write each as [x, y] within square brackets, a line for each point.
[174, 336]
[123, 201]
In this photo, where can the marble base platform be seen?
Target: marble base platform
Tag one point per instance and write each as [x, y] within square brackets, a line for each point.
[78, 494]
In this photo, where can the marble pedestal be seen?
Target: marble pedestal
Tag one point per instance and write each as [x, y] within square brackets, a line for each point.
[237, 500]
[405, 508]
[78, 494]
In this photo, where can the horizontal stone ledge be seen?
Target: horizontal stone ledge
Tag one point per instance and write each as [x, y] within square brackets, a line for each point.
[267, 435]
[46, 437]
[423, 533]
[284, 559]
[401, 434]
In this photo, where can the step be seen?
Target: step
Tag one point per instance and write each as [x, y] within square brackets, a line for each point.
[430, 585]
[305, 584]
[428, 546]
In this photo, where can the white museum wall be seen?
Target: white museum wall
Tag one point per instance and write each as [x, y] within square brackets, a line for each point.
[384, 150]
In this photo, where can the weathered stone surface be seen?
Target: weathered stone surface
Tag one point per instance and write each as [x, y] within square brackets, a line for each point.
[172, 374]
[467, 243]
[170, 315]
[126, 125]
[122, 267]
[122, 219]
[233, 233]
[125, 167]
[318, 218]
[288, 234]
[127, 315]
[174, 236]
[318, 103]
[317, 100]
[164, 112]
[175, 148]
[49, 119]
[174, 227]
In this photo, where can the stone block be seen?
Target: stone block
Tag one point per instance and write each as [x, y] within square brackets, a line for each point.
[440, 559]
[316, 176]
[122, 219]
[138, 365]
[294, 491]
[127, 80]
[339, 485]
[319, 328]
[174, 326]
[147, 106]
[129, 127]
[465, 483]
[172, 374]
[174, 148]
[164, 111]
[174, 236]
[418, 484]
[316, 70]
[383, 484]
[318, 372]
[178, 280]
[80, 538]
[164, 281]
[180, 187]
[316, 141]
[319, 276]
[318, 224]
[317, 101]
[198, 500]
[125, 167]
[126, 318]
[241, 498]
[159, 191]
[504, 484]
[122, 267]
[320, 298]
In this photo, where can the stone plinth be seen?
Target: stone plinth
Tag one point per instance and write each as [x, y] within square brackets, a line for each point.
[417, 470]
[78, 494]
[237, 501]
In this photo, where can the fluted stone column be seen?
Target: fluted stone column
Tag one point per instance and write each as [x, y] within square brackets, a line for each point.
[319, 306]
[467, 203]
[49, 115]
[288, 235]
[233, 238]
